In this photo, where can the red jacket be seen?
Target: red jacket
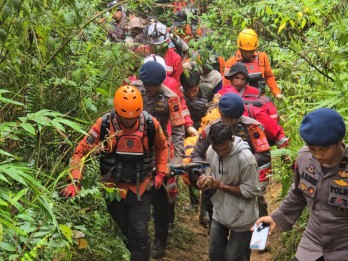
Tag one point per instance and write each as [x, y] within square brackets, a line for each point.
[273, 131]
[265, 69]
[246, 91]
[174, 64]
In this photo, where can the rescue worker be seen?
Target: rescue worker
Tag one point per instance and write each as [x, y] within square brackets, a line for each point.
[231, 108]
[130, 143]
[180, 26]
[190, 130]
[256, 62]
[180, 34]
[320, 183]
[172, 84]
[158, 38]
[165, 105]
[185, 24]
[196, 96]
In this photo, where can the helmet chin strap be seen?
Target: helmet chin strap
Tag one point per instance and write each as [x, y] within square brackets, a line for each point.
[120, 121]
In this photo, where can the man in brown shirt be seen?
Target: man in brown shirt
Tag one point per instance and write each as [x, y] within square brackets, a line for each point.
[165, 105]
[321, 184]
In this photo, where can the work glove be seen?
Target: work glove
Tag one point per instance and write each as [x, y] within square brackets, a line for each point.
[159, 180]
[282, 143]
[191, 131]
[280, 96]
[71, 190]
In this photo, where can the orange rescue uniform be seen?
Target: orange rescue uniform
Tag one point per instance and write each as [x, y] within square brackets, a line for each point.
[260, 61]
[91, 143]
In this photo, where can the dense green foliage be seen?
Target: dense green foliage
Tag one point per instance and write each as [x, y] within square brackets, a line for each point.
[307, 42]
[58, 73]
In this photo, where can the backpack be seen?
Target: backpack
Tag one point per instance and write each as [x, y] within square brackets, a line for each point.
[263, 102]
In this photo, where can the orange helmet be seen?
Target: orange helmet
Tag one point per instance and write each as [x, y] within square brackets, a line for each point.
[247, 40]
[128, 102]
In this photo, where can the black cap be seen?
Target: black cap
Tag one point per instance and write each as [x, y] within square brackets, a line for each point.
[237, 68]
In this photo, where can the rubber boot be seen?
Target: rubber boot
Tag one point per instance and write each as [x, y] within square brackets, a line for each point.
[158, 250]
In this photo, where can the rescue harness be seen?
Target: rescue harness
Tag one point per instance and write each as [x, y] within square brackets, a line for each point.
[131, 159]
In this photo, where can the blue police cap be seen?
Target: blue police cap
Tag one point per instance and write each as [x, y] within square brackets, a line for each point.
[231, 105]
[322, 127]
[152, 73]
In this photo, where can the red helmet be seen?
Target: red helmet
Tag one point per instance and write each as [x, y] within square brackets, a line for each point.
[128, 102]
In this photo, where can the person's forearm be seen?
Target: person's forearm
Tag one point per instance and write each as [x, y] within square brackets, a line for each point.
[234, 190]
[178, 136]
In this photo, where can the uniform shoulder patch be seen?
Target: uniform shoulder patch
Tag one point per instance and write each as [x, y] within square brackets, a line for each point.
[90, 140]
[203, 135]
[168, 92]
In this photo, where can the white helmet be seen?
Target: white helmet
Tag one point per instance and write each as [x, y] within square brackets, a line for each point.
[156, 58]
[157, 33]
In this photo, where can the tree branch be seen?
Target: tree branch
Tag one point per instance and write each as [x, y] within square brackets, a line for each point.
[310, 63]
[80, 30]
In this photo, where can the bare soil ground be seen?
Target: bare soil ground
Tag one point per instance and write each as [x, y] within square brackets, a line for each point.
[189, 242]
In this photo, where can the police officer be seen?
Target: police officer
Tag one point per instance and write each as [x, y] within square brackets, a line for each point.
[321, 184]
[128, 139]
[231, 108]
[165, 105]
[256, 62]
[173, 85]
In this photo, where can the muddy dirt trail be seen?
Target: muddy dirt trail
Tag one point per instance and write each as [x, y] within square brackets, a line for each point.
[190, 240]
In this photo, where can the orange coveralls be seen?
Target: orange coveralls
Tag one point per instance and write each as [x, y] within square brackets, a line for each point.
[91, 142]
[260, 61]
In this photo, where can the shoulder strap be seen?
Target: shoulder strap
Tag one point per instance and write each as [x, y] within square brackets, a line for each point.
[151, 131]
[250, 111]
[265, 99]
[105, 124]
[254, 96]
[261, 58]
